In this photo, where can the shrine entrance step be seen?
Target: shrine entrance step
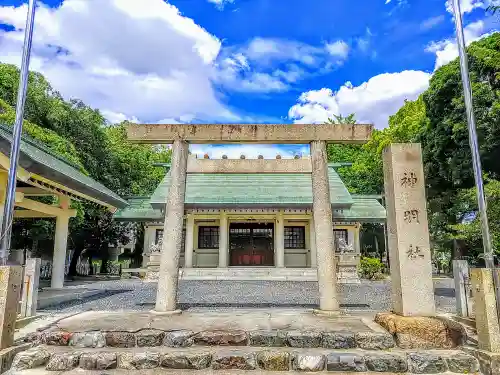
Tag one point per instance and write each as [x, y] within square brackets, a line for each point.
[50, 360]
[250, 274]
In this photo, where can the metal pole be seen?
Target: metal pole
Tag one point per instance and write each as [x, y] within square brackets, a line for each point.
[8, 212]
[476, 161]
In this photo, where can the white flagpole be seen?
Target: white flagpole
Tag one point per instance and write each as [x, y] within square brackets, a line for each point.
[8, 212]
[476, 160]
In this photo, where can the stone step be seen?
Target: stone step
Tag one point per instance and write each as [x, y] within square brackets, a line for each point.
[341, 339]
[164, 371]
[354, 361]
[249, 273]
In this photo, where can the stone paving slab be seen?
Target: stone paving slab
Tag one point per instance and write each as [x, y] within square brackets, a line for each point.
[237, 319]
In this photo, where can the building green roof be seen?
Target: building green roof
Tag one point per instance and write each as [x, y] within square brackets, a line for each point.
[252, 189]
[37, 159]
[363, 209]
[139, 209]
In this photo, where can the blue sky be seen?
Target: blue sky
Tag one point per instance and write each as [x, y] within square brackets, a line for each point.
[240, 61]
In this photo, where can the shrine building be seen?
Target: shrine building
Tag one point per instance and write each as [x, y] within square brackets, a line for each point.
[242, 214]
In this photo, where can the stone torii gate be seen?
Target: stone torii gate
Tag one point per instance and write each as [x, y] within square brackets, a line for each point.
[180, 135]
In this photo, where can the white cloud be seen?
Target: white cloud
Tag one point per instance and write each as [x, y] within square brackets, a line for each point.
[447, 50]
[115, 117]
[467, 6]
[338, 48]
[372, 101]
[121, 56]
[431, 22]
[221, 3]
[272, 65]
[363, 44]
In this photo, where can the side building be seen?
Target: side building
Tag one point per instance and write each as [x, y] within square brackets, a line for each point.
[253, 218]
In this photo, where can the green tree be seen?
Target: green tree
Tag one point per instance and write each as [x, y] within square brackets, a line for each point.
[468, 228]
[445, 140]
[83, 136]
[366, 174]
[339, 119]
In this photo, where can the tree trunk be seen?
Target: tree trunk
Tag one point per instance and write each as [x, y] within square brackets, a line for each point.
[375, 242]
[91, 267]
[74, 260]
[104, 251]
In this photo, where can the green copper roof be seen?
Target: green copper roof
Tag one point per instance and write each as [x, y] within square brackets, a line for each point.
[138, 209]
[364, 209]
[264, 189]
[39, 160]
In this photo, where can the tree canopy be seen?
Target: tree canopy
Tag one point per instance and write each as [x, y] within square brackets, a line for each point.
[437, 119]
[82, 136]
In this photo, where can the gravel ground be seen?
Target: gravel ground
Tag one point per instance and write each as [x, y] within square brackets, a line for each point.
[137, 295]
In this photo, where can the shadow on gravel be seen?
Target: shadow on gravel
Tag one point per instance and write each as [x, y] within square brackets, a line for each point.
[80, 301]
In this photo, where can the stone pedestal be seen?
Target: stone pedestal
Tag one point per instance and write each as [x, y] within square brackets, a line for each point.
[10, 289]
[168, 278]
[347, 268]
[114, 253]
[488, 330]
[461, 278]
[16, 256]
[323, 227]
[408, 232]
[153, 267]
[30, 288]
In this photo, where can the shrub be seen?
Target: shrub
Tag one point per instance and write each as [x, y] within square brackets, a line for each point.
[371, 268]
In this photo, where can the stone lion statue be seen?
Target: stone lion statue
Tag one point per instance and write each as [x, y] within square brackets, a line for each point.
[343, 247]
[156, 247]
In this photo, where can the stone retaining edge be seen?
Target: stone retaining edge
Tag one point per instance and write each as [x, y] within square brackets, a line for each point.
[421, 362]
[368, 340]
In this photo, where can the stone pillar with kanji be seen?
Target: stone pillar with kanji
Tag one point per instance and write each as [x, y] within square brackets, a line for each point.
[408, 231]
